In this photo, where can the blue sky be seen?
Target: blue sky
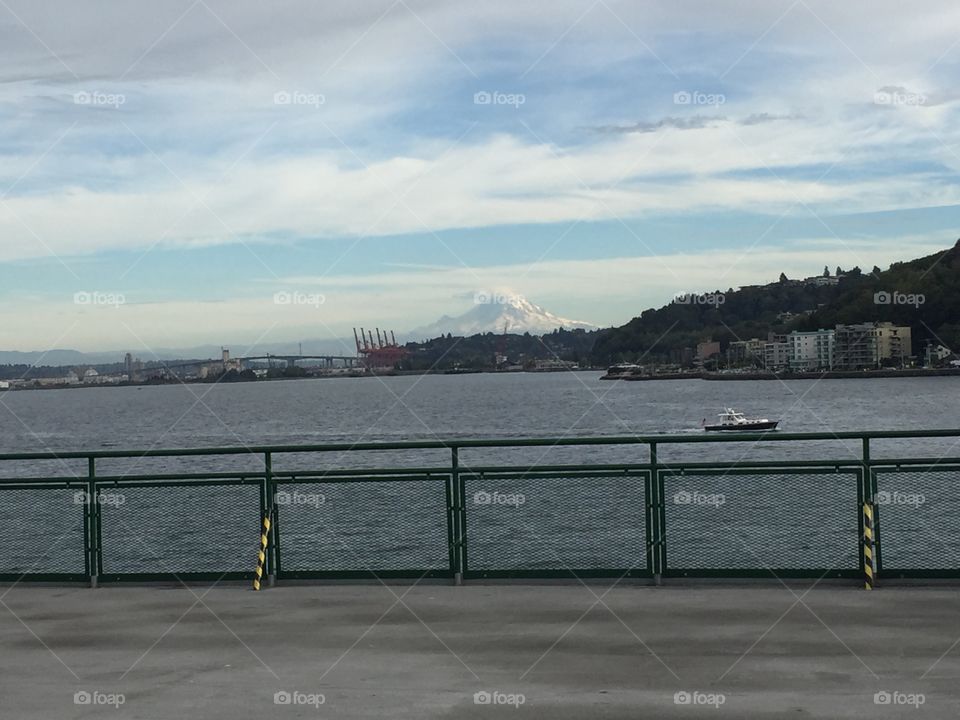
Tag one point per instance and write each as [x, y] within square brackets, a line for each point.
[197, 158]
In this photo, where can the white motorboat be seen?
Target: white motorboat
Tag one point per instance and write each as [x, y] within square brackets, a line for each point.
[732, 420]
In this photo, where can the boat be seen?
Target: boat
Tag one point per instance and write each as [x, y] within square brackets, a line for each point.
[732, 420]
[623, 369]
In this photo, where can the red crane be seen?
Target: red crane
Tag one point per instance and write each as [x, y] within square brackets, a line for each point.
[379, 354]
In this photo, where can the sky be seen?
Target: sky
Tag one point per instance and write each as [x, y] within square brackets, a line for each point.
[202, 172]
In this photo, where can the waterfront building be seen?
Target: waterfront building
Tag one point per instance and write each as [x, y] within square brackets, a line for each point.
[856, 347]
[745, 352]
[810, 350]
[894, 343]
[936, 354]
[706, 350]
[775, 356]
[866, 345]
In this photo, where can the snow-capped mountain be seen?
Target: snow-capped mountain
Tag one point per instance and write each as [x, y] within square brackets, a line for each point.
[494, 312]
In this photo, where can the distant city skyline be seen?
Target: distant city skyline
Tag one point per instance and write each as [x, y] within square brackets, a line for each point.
[256, 176]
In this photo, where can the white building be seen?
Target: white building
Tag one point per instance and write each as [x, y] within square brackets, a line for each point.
[940, 352]
[775, 356]
[823, 280]
[810, 350]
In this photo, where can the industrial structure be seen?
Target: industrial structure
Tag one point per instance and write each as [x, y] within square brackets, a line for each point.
[380, 354]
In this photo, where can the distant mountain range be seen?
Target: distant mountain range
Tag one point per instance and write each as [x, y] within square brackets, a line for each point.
[498, 313]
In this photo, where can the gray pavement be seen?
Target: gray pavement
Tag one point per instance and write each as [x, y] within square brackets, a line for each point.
[567, 651]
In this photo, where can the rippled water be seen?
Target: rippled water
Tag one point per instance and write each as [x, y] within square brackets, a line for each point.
[482, 405]
[806, 522]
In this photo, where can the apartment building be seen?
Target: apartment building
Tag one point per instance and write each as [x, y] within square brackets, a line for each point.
[866, 345]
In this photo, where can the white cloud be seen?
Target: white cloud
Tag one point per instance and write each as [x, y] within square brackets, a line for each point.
[504, 180]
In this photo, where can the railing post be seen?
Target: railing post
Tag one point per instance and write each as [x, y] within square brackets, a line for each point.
[271, 513]
[459, 519]
[869, 522]
[92, 523]
[657, 515]
[450, 496]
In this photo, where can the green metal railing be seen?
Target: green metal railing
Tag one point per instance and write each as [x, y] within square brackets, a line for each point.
[653, 518]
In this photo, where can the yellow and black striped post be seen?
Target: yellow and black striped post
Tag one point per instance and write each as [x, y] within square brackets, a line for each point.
[868, 546]
[262, 555]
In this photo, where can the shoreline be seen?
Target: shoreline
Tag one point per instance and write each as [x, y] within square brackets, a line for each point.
[708, 376]
[332, 376]
[823, 375]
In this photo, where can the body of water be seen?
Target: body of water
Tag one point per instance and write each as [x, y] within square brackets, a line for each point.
[807, 521]
[457, 406]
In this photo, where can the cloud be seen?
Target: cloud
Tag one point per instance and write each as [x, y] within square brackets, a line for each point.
[697, 122]
[176, 201]
[763, 117]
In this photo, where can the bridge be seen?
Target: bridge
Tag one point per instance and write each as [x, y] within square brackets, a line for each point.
[324, 361]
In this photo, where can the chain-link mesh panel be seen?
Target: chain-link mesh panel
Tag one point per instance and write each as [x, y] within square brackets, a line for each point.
[180, 529]
[42, 531]
[363, 526]
[774, 520]
[556, 523]
[918, 516]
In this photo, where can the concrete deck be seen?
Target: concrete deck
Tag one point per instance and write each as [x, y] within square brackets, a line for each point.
[422, 652]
